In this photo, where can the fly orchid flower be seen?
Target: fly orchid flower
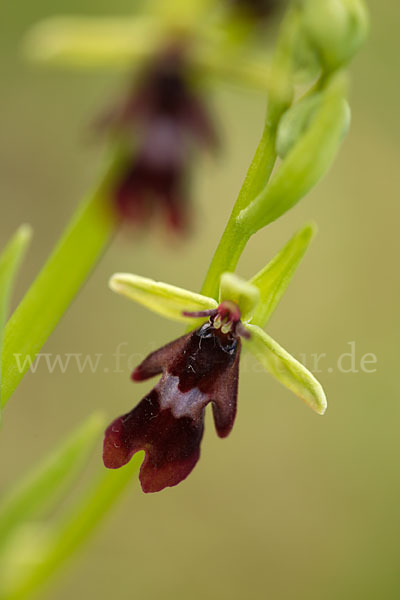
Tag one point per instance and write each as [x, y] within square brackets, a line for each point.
[202, 366]
[158, 121]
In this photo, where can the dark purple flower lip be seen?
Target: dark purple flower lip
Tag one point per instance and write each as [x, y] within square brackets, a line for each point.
[199, 368]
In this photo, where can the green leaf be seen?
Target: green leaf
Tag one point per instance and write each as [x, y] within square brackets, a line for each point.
[10, 260]
[241, 292]
[273, 280]
[70, 533]
[162, 298]
[93, 41]
[286, 369]
[58, 283]
[41, 488]
[307, 162]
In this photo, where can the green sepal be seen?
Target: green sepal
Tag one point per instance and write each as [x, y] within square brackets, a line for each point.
[82, 42]
[273, 280]
[241, 292]
[286, 369]
[161, 298]
[121, 43]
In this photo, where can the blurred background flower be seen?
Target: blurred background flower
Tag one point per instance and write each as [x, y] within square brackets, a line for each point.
[157, 123]
[319, 519]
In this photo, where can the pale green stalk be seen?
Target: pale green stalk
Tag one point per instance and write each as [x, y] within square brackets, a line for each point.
[236, 234]
[61, 278]
[47, 482]
[10, 260]
[73, 531]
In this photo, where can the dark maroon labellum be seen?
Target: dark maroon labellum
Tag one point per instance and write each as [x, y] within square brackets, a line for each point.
[198, 368]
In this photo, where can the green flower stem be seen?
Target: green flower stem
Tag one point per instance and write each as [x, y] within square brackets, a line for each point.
[237, 234]
[74, 530]
[59, 281]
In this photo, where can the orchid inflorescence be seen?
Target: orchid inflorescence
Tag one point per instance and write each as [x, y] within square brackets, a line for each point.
[180, 50]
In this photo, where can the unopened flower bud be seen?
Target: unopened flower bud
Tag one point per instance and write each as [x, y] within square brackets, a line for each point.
[336, 28]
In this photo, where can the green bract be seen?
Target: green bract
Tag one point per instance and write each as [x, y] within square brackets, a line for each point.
[256, 299]
[295, 122]
[298, 173]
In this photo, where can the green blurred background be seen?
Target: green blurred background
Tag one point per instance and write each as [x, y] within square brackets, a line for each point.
[291, 505]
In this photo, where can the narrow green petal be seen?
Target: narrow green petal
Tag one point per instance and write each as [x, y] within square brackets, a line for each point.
[162, 298]
[10, 260]
[240, 291]
[273, 280]
[42, 487]
[286, 369]
[93, 42]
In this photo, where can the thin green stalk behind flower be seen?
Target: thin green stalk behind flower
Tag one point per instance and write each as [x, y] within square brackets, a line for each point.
[71, 532]
[58, 283]
[236, 236]
[10, 260]
[44, 486]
